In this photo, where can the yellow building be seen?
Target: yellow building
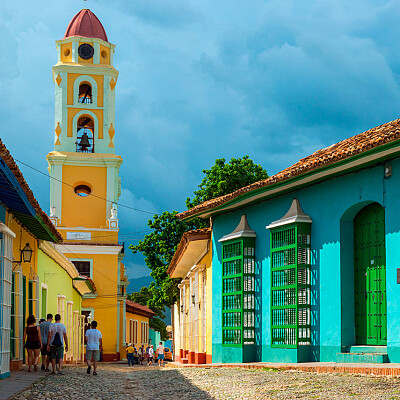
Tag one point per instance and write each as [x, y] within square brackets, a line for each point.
[34, 277]
[85, 187]
[192, 313]
[137, 323]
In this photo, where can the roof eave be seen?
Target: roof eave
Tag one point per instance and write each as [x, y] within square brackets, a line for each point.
[329, 171]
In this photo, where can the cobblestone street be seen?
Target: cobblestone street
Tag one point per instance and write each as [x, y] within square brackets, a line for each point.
[116, 382]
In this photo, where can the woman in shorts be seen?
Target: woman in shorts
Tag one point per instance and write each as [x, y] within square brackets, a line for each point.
[33, 342]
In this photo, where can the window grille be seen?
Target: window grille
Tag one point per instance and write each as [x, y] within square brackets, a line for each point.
[238, 287]
[291, 285]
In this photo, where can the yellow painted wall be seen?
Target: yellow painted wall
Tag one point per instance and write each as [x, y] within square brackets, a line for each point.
[89, 211]
[138, 318]
[104, 51]
[105, 277]
[208, 262]
[28, 269]
[100, 88]
[66, 52]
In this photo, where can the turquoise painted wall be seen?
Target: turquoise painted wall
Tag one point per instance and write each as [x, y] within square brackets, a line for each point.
[154, 337]
[332, 206]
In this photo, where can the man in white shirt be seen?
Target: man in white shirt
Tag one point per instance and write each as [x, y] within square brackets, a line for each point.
[94, 344]
[160, 354]
[55, 343]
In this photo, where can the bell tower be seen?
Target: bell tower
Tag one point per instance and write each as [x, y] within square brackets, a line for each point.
[85, 185]
[85, 80]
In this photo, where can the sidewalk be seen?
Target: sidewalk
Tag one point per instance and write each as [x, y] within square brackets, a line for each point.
[388, 369]
[17, 382]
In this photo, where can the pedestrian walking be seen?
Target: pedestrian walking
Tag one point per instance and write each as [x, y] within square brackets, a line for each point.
[56, 339]
[33, 342]
[94, 345]
[129, 354]
[141, 354]
[44, 332]
[151, 354]
[160, 352]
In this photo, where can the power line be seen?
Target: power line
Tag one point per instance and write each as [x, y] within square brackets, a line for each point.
[99, 197]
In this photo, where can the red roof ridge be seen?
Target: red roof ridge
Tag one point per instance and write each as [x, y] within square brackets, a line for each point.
[362, 142]
[139, 308]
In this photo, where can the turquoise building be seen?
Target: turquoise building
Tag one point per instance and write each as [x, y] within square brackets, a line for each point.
[306, 264]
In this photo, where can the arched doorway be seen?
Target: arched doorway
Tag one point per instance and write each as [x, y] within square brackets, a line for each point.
[370, 276]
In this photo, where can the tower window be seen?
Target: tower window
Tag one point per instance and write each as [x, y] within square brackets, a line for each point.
[85, 135]
[83, 267]
[82, 190]
[85, 93]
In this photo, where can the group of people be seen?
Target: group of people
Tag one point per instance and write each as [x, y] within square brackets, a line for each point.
[50, 339]
[140, 355]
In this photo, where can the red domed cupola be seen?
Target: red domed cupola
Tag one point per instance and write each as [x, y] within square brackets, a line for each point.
[86, 24]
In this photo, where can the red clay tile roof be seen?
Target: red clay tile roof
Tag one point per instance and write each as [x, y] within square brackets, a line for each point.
[8, 159]
[86, 24]
[136, 308]
[363, 142]
[204, 233]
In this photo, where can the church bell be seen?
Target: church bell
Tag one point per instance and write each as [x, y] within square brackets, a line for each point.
[84, 143]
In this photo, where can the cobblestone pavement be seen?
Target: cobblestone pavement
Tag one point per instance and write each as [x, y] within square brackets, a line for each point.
[115, 382]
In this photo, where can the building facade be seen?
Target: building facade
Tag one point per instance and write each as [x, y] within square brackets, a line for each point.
[314, 262]
[192, 313]
[33, 274]
[137, 324]
[85, 185]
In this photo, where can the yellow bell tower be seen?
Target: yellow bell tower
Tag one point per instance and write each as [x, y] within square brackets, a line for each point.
[85, 185]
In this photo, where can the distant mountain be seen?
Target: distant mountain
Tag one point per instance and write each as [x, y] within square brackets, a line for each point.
[136, 284]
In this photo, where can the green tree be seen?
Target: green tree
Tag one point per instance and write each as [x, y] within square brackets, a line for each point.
[223, 178]
[159, 246]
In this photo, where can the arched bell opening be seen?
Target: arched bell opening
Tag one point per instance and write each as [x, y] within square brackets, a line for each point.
[85, 93]
[85, 135]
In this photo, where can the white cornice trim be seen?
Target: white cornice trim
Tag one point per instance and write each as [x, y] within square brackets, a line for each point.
[55, 254]
[5, 229]
[287, 221]
[80, 228]
[71, 249]
[71, 39]
[237, 235]
[72, 159]
[90, 69]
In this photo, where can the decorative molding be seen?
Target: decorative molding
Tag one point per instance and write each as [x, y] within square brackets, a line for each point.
[51, 251]
[66, 248]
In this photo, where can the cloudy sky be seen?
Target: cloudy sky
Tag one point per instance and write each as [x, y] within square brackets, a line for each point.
[201, 80]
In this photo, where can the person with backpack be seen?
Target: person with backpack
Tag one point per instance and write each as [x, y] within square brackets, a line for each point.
[55, 343]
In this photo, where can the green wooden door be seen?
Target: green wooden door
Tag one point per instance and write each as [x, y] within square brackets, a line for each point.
[370, 276]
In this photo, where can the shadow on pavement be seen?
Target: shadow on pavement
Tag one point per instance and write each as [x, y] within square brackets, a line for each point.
[163, 383]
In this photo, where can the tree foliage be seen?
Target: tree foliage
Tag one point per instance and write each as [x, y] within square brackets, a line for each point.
[223, 178]
[159, 246]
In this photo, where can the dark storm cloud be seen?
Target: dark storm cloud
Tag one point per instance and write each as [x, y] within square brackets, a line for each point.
[203, 80]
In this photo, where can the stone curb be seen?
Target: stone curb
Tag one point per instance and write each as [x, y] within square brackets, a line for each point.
[27, 388]
[378, 371]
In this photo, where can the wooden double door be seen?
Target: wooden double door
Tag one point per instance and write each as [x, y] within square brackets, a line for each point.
[370, 276]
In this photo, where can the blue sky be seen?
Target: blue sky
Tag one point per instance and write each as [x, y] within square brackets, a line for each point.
[275, 80]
